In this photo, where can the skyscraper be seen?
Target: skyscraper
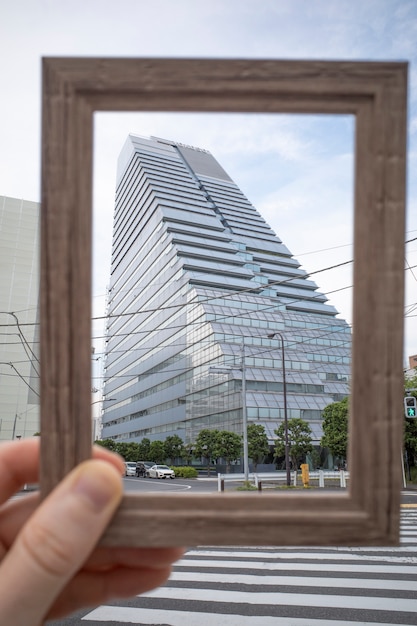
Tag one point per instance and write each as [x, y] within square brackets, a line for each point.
[19, 289]
[199, 279]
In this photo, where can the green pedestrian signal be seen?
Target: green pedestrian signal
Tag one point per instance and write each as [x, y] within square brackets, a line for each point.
[410, 406]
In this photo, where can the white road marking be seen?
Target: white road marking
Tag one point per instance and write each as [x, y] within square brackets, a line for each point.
[297, 581]
[130, 615]
[285, 599]
[311, 567]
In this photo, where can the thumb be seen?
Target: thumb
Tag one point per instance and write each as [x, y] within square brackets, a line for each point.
[56, 541]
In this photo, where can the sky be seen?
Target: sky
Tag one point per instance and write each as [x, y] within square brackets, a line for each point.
[296, 170]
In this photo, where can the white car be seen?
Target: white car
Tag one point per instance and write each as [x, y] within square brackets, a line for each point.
[161, 471]
[130, 468]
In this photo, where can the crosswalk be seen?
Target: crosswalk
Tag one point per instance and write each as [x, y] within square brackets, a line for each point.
[285, 587]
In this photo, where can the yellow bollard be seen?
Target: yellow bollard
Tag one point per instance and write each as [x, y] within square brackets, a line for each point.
[305, 475]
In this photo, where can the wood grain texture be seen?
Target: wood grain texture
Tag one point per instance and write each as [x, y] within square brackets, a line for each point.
[376, 93]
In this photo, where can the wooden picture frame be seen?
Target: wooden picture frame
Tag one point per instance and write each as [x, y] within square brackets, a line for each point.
[73, 88]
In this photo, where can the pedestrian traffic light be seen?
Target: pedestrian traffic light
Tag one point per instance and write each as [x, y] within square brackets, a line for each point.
[410, 406]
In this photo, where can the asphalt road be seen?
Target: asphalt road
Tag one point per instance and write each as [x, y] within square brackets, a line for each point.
[208, 485]
[167, 485]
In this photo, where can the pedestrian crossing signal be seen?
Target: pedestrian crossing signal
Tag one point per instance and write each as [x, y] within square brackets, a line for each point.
[410, 406]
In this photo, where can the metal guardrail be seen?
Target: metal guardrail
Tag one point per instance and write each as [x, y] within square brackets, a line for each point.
[256, 479]
[276, 477]
[342, 476]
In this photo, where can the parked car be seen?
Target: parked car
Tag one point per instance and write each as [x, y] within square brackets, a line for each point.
[143, 467]
[130, 468]
[161, 471]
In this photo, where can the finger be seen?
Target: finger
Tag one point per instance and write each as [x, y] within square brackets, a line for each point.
[133, 557]
[139, 569]
[92, 589]
[13, 515]
[18, 465]
[56, 540]
[111, 457]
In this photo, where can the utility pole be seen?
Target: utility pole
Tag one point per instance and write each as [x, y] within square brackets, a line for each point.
[284, 384]
[14, 425]
[244, 415]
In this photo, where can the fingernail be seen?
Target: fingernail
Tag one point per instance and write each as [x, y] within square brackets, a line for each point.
[95, 488]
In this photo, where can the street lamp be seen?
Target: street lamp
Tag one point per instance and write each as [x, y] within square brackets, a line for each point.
[242, 368]
[284, 381]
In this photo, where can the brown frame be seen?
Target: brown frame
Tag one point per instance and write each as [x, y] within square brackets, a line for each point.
[73, 88]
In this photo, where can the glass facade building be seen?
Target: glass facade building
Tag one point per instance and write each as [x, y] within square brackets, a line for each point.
[199, 279]
[19, 289]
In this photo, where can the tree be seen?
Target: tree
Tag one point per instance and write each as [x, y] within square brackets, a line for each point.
[173, 446]
[205, 445]
[157, 451]
[410, 441]
[133, 451]
[335, 428]
[228, 446]
[144, 450]
[299, 437]
[187, 453]
[128, 450]
[107, 443]
[258, 447]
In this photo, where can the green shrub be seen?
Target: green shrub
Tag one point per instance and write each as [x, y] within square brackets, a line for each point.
[247, 486]
[185, 472]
